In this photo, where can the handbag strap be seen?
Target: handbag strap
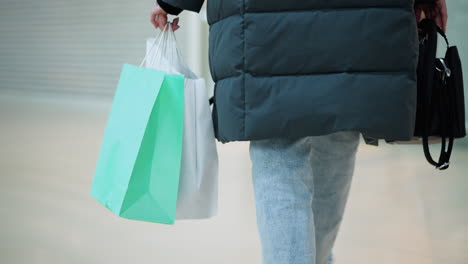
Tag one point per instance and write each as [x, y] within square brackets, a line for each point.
[442, 33]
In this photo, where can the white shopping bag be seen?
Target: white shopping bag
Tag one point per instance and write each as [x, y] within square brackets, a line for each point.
[198, 182]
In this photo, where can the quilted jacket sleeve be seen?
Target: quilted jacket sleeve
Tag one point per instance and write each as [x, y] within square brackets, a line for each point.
[191, 5]
[169, 8]
[424, 1]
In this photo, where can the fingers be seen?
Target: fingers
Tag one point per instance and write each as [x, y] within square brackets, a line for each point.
[437, 12]
[158, 18]
[441, 19]
[443, 14]
[162, 20]
[430, 12]
[439, 22]
[175, 23]
[153, 18]
[417, 12]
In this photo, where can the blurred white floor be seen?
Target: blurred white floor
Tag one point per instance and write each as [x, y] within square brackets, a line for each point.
[400, 209]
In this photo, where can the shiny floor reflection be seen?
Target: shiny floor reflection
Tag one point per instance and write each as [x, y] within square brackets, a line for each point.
[400, 209]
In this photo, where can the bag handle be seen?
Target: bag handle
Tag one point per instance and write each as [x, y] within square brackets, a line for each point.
[442, 33]
[159, 38]
[430, 24]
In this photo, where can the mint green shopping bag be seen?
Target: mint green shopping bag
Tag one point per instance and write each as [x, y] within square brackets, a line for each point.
[137, 172]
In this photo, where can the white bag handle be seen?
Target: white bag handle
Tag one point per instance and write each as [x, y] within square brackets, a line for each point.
[158, 40]
[168, 52]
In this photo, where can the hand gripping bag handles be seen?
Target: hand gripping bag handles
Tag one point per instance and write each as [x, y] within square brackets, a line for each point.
[440, 112]
[198, 181]
[138, 168]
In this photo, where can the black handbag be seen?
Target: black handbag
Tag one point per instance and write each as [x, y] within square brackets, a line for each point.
[440, 111]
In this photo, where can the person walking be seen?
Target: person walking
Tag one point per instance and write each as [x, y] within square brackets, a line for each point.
[302, 80]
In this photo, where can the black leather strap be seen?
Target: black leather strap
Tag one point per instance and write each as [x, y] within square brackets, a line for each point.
[442, 33]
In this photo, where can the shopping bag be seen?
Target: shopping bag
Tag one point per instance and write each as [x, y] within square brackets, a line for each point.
[138, 168]
[198, 182]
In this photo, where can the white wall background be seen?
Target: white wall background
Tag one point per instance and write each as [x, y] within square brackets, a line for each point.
[79, 46]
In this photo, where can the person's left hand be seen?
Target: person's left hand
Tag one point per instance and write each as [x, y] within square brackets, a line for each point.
[159, 19]
[436, 11]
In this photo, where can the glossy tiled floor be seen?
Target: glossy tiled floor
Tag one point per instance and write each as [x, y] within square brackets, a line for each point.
[400, 210]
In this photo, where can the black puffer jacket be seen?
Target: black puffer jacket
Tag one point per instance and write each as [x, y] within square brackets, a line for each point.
[302, 68]
[170, 9]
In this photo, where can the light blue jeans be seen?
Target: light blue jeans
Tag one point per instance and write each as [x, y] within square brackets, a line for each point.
[301, 187]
